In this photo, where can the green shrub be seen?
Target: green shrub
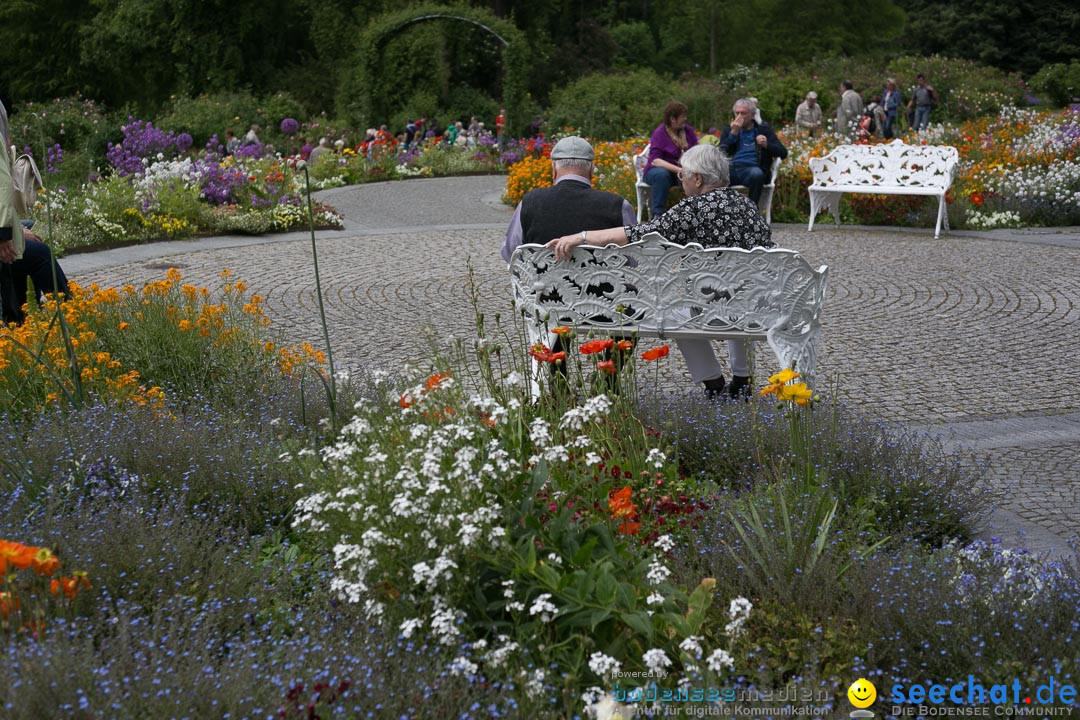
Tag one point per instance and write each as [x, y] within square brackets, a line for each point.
[1058, 83]
[207, 115]
[74, 122]
[609, 107]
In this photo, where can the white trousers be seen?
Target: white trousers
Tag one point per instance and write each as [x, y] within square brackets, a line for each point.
[702, 362]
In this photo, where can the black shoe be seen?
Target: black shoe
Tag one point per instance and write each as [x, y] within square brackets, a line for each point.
[714, 387]
[741, 387]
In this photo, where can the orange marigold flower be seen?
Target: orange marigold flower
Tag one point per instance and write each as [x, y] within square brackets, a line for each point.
[656, 353]
[124, 325]
[595, 346]
[607, 366]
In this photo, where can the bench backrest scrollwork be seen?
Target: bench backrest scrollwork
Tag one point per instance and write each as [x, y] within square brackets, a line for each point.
[894, 164]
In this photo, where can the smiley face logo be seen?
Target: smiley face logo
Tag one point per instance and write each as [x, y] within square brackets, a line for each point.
[862, 693]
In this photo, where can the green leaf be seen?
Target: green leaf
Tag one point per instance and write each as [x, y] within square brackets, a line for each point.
[640, 623]
[582, 556]
[606, 587]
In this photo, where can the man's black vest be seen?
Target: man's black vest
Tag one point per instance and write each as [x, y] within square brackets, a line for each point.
[568, 207]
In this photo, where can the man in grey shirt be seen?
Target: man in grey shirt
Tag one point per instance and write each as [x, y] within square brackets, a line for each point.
[923, 99]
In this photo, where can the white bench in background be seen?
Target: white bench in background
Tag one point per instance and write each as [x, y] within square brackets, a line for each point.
[888, 169]
[654, 288]
[644, 191]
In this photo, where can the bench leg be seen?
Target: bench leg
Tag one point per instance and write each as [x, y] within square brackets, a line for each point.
[942, 215]
[813, 210]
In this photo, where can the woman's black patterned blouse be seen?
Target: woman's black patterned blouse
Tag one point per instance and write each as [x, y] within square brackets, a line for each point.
[719, 218]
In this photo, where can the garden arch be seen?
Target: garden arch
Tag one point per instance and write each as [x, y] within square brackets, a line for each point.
[356, 94]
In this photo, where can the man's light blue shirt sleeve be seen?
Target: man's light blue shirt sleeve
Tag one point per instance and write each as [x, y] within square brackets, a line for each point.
[515, 235]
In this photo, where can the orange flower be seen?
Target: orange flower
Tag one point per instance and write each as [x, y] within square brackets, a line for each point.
[562, 330]
[70, 585]
[595, 346]
[16, 555]
[45, 563]
[976, 199]
[620, 505]
[543, 353]
[607, 366]
[436, 381]
[656, 353]
[624, 344]
[9, 603]
[630, 528]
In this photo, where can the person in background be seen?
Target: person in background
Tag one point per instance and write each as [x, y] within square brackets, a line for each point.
[712, 215]
[808, 115]
[318, 151]
[849, 110]
[669, 141]
[231, 141]
[751, 146]
[500, 128]
[923, 99]
[891, 102]
[252, 136]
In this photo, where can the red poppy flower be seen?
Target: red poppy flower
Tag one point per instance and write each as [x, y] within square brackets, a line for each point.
[656, 353]
[976, 199]
[595, 346]
[625, 344]
[562, 330]
[607, 366]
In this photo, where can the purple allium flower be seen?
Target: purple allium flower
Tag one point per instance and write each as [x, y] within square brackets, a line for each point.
[184, 142]
[53, 157]
[289, 126]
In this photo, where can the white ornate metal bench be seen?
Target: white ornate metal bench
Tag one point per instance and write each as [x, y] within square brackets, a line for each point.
[888, 169]
[655, 288]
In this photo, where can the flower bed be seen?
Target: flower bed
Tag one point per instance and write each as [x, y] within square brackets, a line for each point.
[1020, 168]
[451, 541]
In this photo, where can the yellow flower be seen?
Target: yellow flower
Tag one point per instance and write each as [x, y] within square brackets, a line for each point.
[784, 376]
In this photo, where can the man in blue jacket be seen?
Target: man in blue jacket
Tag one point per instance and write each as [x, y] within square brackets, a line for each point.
[751, 145]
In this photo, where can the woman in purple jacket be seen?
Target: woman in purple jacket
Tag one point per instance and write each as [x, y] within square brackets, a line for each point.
[668, 143]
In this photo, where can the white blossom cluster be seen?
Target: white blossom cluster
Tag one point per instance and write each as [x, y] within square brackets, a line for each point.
[989, 221]
[738, 614]
[405, 516]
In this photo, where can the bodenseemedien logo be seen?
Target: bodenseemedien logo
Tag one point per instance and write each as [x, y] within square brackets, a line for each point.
[862, 695]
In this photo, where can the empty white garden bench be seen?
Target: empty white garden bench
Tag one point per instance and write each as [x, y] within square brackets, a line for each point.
[644, 191]
[654, 288]
[889, 169]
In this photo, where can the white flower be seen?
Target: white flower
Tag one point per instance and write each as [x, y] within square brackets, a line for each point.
[542, 607]
[514, 379]
[410, 626]
[658, 572]
[655, 599]
[592, 458]
[720, 660]
[656, 458]
[463, 666]
[664, 543]
[656, 661]
[692, 646]
[603, 665]
[740, 608]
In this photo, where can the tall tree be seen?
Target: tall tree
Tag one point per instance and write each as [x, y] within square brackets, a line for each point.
[1010, 36]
